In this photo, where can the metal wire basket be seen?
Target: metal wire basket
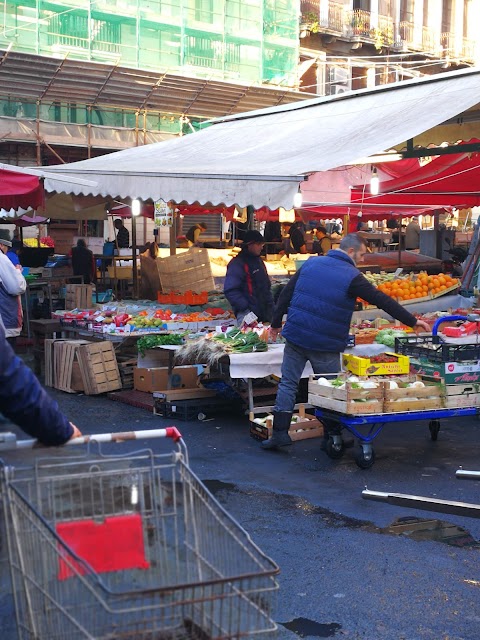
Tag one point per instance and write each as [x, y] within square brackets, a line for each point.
[130, 547]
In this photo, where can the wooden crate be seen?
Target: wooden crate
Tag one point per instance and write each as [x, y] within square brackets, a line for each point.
[78, 296]
[432, 396]
[189, 271]
[305, 428]
[66, 372]
[349, 400]
[99, 368]
[462, 395]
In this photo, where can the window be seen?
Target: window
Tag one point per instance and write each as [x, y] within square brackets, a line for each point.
[447, 16]
[204, 10]
[363, 5]
[407, 11]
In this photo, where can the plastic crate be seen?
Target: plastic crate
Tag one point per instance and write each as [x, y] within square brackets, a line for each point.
[429, 348]
[191, 409]
[189, 297]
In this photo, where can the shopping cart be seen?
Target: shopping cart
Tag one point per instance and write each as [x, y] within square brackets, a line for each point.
[118, 547]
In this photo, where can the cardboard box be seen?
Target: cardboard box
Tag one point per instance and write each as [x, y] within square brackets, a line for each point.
[150, 380]
[364, 367]
[451, 372]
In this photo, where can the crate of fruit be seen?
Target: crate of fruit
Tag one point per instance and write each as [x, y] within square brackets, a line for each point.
[380, 365]
[419, 395]
[302, 426]
[348, 395]
[459, 395]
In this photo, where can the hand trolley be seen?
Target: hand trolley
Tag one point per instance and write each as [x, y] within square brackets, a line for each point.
[374, 423]
[129, 547]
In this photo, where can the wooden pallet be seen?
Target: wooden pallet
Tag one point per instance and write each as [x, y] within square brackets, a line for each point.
[99, 368]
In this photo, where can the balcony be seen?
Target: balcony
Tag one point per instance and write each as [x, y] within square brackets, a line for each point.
[422, 39]
[322, 17]
[358, 26]
[469, 50]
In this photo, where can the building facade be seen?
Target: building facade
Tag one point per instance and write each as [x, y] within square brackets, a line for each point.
[81, 77]
[353, 44]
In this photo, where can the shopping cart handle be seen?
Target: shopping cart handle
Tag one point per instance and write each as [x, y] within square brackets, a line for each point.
[9, 440]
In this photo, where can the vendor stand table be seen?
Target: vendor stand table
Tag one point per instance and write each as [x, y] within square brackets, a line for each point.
[392, 260]
[42, 329]
[44, 284]
[374, 423]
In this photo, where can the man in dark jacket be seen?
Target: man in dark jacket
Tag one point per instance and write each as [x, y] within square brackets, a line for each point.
[83, 262]
[247, 285]
[320, 301]
[25, 402]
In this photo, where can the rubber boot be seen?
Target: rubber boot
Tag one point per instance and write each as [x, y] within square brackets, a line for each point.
[281, 425]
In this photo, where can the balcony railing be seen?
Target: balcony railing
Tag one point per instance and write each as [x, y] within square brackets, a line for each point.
[469, 50]
[447, 41]
[358, 23]
[425, 39]
[326, 17]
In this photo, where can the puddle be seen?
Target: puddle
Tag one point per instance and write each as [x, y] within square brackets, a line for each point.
[432, 529]
[305, 628]
[415, 528]
[214, 486]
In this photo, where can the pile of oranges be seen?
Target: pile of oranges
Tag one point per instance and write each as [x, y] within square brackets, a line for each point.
[417, 286]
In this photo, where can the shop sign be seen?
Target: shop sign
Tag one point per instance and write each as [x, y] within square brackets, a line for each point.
[163, 214]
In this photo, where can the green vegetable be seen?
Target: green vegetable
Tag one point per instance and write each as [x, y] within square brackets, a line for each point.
[152, 341]
[237, 341]
[387, 336]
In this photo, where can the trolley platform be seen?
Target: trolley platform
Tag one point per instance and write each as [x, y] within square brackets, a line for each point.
[131, 547]
[373, 425]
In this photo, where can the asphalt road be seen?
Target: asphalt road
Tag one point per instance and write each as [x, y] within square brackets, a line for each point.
[349, 568]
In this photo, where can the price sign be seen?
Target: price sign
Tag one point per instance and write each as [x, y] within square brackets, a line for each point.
[163, 214]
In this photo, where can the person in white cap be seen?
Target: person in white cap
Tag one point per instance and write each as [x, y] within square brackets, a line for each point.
[12, 285]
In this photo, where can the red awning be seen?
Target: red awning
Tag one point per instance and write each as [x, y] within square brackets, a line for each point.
[20, 191]
[449, 180]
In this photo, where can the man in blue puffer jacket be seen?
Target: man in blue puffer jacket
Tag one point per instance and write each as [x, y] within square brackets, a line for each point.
[247, 285]
[25, 402]
[320, 301]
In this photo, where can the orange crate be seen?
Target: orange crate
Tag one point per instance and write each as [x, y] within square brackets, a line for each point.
[189, 297]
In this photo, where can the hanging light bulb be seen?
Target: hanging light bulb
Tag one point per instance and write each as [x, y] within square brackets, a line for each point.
[136, 207]
[297, 199]
[374, 182]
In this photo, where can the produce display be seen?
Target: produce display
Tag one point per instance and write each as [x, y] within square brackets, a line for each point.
[209, 348]
[418, 286]
[152, 341]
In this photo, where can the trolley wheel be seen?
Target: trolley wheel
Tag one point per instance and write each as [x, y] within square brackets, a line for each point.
[364, 457]
[334, 450]
[434, 426]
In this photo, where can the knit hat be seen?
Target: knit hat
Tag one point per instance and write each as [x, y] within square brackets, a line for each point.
[253, 236]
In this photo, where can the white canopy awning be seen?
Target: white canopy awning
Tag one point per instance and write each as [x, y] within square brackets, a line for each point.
[260, 157]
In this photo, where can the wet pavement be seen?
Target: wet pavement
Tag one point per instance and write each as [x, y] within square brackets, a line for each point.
[350, 568]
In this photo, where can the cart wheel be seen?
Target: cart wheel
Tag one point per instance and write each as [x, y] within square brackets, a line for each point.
[434, 426]
[334, 450]
[364, 459]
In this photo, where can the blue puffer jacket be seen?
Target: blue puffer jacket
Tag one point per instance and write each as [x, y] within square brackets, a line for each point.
[247, 286]
[25, 402]
[320, 311]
